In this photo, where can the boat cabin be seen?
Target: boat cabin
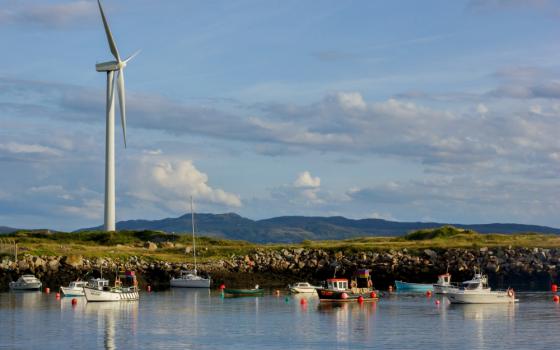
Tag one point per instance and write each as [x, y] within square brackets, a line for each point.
[478, 282]
[78, 284]
[444, 280]
[98, 283]
[337, 284]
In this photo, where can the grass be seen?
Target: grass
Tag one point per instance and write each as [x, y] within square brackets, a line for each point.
[131, 243]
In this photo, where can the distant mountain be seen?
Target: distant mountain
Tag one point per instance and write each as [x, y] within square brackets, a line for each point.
[6, 229]
[298, 228]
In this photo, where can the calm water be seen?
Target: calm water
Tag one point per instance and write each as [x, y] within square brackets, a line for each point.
[187, 319]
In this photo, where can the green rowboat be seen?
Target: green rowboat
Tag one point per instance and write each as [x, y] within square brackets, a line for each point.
[244, 292]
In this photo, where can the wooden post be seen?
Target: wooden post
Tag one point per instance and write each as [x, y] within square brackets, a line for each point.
[15, 251]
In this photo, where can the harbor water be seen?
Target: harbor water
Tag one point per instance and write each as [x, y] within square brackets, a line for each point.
[202, 319]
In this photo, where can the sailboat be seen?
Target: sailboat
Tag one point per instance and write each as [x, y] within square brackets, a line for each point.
[191, 279]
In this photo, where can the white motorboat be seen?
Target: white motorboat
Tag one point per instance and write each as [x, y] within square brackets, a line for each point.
[476, 291]
[444, 284]
[303, 287]
[191, 279]
[74, 289]
[26, 282]
[98, 289]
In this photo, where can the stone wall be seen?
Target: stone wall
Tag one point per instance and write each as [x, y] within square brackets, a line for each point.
[528, 268]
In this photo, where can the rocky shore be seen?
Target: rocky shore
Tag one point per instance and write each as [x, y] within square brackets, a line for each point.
[526, 268]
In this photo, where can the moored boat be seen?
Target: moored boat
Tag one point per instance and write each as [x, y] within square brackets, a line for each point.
[189, 279]
[413, 287]
[476, 291]
[244, 292]
[26, 282]
[303, 287]
[74, 289]
[102, 292]
[337, 289]
[444, 284]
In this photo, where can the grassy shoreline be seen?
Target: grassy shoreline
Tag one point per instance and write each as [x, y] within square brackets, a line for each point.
[172, 247]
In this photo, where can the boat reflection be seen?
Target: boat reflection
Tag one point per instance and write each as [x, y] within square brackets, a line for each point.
[25, 299]
[109, 314]
[351, 320]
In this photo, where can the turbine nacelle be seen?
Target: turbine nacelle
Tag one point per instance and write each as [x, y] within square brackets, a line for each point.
[109, 66]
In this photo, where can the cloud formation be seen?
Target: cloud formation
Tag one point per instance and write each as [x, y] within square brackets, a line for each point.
[48, 15]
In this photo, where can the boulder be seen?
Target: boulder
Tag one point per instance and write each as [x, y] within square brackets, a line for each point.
[150, 245]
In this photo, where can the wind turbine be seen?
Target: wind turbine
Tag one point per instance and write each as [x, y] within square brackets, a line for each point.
[111, 67]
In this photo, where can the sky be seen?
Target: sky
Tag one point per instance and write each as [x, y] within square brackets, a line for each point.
[443, 111]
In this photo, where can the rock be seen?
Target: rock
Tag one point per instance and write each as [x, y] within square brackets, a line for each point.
[150, 245]
[76, 261]
[430, 253]
[167, 244]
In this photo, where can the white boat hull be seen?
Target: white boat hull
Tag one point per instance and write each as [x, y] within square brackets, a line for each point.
[188, 283]
[104, 295]
[487, 297]
[439, 289]
[304, 289]
[72, 292]
[25, 286]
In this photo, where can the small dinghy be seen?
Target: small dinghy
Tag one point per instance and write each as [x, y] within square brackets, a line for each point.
[74, 289]
[303, 287]
[26, 282]
[254, 292]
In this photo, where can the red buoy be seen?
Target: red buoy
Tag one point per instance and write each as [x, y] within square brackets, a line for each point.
[554, 288]
[556, 298]
[222, 286]
[437, 302]
[373, 295]
[360, 299]
[303, 301]
[343, 296]
[149, 288]
[428, 293]
[74, 301]
[47, 290]
[58, 295]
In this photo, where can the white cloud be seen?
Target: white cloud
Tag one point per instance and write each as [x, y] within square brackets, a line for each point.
[481, 109]
[170, 183]
[22, 148]
[306, 180]
[351, 100]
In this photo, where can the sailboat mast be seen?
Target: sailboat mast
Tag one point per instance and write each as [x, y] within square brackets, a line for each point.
[193, 240]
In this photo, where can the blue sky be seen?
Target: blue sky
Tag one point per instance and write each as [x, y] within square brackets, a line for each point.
[403, 110]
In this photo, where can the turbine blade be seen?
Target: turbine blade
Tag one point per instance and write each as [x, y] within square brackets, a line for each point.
[132, 56]
[112, 44]
[122, 103]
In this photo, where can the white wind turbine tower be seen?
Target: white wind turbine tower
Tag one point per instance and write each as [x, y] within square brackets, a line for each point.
[111, 67]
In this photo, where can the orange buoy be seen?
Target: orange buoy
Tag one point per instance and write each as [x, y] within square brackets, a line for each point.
[554, 288]
[277, 292]
[373, 295]
[74, 301]
[58, 295]
[428, 293]
[390, 288]
[556, 298]
[149, 288]
[303, 301]
[360, 299]
[47, 290]
[343, 296]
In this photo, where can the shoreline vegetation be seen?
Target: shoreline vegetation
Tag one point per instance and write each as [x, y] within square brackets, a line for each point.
[58, 257]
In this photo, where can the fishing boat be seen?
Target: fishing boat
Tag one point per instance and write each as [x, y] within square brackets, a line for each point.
[338, 290]
[26, 282]
[303, 287]
[476, 291]
[244, 292]
[119, 292]
[191, 279]
[74, 289]
[413, 287]
[444, 284]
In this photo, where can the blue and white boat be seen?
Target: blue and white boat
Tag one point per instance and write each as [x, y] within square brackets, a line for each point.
[413, 287]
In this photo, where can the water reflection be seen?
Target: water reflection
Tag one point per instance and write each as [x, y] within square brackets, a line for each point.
[108, 314]
[25, 299]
